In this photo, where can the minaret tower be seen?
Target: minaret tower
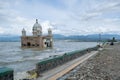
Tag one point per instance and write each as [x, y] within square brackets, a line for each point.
[49, 32]
[23, 32]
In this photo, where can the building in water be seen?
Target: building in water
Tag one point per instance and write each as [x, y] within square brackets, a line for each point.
[37, 40]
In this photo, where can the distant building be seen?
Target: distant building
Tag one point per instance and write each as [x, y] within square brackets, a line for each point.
[37, 40]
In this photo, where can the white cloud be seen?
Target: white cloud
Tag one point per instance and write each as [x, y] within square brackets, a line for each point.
[45, 25]
[78, 16]
[1, 30]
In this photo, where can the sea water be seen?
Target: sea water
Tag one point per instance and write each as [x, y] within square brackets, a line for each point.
[22, 60]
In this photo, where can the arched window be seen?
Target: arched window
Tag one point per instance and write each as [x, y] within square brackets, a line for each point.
[28, 44]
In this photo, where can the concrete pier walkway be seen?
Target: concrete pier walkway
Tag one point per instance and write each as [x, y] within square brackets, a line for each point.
[65, 68]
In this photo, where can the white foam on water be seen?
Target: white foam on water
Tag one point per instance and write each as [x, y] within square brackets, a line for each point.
[20, 75]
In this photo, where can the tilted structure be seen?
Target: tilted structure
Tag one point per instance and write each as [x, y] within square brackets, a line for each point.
[37, 40]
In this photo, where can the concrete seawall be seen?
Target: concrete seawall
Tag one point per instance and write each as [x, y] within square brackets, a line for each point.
[59, 71]
[52, 62]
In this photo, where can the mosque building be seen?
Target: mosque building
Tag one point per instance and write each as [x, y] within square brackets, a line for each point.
[37, 40]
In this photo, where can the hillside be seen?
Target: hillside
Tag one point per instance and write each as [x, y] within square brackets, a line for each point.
[93, 37]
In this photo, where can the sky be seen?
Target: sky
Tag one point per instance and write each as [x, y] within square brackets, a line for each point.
[66, 17]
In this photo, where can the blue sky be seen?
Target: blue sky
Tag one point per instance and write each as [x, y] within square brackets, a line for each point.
[67, 17]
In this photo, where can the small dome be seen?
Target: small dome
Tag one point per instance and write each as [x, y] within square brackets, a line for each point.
[37, 26]
[49, 29]
[23, 29]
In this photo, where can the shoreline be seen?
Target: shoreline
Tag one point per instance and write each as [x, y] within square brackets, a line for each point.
[21, 75]
[26, 75]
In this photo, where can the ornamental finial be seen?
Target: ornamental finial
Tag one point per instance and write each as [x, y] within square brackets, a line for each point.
[36, 20]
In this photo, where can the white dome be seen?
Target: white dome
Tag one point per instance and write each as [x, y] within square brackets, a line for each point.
[37, 26]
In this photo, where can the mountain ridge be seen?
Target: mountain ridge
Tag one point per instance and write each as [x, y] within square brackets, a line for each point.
[91, 37]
